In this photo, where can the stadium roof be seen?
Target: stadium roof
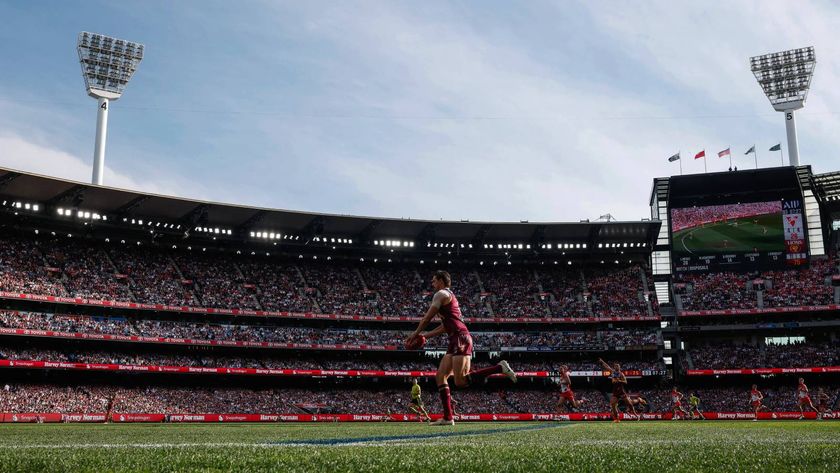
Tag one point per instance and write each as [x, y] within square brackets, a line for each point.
[52, 193]
[828, 188]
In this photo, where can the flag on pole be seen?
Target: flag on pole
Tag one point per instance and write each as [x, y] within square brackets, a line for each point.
[673, 158]
[701, 154]
[778, 147]
[751, 150]
[724, 153]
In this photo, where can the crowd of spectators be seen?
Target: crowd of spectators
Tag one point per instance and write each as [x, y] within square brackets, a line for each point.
[811, 286]
[400, 291]
[285, 360]
[796, 355]
[153, 277]
[218, 281]
[116, 271]
[44, 398]
[278, 286]
[514, 292]
[564, 295]
[558, 340]
[339, 289]
[24, 269]
[712, 291]
[616, 292]
[696, 216]
[788, 288]
[87, 272]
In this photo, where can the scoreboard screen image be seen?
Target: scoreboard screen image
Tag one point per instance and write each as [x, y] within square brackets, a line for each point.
[720, 232]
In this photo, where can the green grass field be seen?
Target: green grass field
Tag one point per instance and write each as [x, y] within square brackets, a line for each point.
[741, 236]
[787, 446]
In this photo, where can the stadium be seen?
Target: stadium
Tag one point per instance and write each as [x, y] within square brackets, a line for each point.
[141, 331]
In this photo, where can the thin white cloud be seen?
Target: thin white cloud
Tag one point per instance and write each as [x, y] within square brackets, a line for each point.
[23, 155]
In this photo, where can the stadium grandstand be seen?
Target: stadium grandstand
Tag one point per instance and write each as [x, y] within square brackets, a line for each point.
[123, 306]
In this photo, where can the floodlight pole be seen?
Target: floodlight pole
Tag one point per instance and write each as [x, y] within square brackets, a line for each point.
[785, 78]
[792, 141]
[101, 136]
[107, 66]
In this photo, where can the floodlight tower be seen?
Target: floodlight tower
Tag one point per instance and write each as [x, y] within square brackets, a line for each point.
[785, 78]
[107, 66]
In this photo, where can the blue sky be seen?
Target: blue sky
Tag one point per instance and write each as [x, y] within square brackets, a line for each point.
[491, 110]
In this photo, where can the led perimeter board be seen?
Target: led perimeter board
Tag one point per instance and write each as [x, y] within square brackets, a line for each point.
[737, 221]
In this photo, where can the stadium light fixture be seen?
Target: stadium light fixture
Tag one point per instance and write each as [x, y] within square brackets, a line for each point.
[785, 78]
[107, 66]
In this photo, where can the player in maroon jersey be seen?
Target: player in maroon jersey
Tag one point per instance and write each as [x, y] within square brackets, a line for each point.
[804, 398]
[456, 361]
[619, 382]
[822, 403]
[755, 401]
[567, 396]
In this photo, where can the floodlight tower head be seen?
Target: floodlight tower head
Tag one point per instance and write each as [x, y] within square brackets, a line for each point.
[107, 66]
[785, 78]
[107, 63]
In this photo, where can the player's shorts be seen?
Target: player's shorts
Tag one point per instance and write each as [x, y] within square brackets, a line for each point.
[805, 400]
[755, 404]
[677, 405]
[568, 395]
[822, 406]
[619, 393]
[460, 344]
[416, 402]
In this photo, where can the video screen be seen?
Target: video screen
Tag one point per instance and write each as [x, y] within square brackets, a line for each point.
[739, 228]
[742, 236]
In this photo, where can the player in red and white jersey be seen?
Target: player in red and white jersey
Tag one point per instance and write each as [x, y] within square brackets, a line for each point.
[456, 361]
[567, 396]
[755, 401]
[676, 404]
[804, 398]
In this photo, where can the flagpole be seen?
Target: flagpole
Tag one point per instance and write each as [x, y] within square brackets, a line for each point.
[782, 154]
[679, 153]
[705, 167]
[755, 152]
[730, 156]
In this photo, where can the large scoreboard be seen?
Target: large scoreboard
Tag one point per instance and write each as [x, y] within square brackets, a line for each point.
[737, 221]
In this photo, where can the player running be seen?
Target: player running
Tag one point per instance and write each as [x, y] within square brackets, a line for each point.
[694, 407]
[755, 401]
[804, 398]
[456, 361]
[416, 402]
[619, 382]
[822, 403]
[676, 404]
[567, 396]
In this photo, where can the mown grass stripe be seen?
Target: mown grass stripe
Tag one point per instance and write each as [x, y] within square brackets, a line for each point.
[399, 438]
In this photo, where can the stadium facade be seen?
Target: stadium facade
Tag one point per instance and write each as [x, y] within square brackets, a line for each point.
[127, 306]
